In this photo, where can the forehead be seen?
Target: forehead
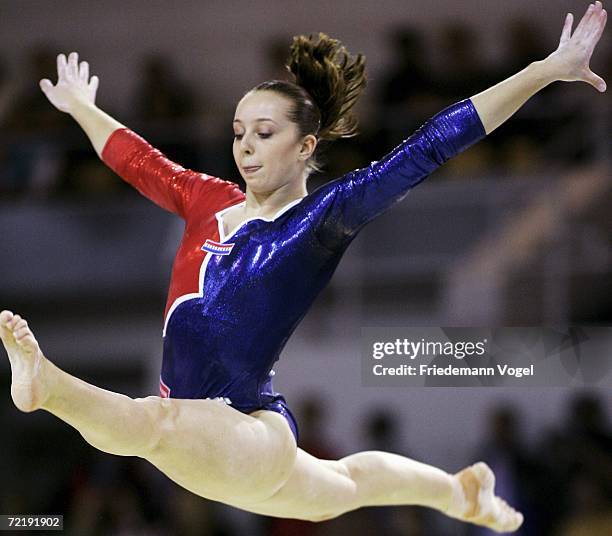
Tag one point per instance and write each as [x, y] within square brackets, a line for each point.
[260, 104]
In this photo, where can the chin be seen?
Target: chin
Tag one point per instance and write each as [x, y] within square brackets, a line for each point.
[261, 183]
[256, 186]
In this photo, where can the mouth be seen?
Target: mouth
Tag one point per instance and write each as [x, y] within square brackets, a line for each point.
[250, 169]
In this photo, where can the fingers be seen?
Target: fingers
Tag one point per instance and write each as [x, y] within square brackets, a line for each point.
[45, 85]
[590, 18]
[584, 40]
[596, 21]
[593, 33]
[596, 81]
[93, 86]
[61, 66]
[599, 24]
[567, 29]
[72, 69]
[69, 69]
[84, 72]
[584, 22]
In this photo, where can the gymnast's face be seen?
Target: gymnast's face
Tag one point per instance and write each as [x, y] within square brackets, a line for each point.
[265, 137]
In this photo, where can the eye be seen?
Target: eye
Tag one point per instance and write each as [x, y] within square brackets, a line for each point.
[262, 135]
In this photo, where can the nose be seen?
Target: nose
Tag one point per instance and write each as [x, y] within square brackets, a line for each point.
[245, 144]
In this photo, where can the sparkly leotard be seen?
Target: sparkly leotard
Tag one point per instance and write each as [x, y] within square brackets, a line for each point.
[235, 299]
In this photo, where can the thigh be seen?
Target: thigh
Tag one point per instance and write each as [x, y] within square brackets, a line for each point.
[220, 453]
[315, 490]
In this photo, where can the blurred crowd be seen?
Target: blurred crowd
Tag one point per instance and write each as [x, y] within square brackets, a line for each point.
[44, 154]
[561, 480]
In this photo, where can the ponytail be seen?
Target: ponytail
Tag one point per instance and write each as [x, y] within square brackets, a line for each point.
[327, 84]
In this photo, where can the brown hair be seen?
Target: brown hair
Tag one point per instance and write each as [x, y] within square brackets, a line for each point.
[327, 83]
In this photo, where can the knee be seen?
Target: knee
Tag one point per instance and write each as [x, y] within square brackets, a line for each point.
[157, 415]
[362, 464]
[354, 466]
[363, 469]
[346, 500]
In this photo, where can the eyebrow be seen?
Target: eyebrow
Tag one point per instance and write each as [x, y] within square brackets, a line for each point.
[256, 120]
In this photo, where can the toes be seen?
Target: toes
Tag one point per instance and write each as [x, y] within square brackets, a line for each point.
[26, 339]
[13, 322]
[5, 317]
[21, 332]
[507, 518]
[17, 323]
[513, 519]
[519, 520]
[13, 325]
[485, 476]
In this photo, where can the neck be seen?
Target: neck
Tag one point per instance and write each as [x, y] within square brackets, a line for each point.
[268, 203]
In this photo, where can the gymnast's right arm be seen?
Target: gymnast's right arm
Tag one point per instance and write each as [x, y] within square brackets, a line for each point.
[164, 182]
[75, 94]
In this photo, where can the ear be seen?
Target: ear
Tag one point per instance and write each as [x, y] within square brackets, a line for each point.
[309, 144]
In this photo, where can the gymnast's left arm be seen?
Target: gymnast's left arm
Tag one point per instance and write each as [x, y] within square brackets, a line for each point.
[345, 205]
[569, 63]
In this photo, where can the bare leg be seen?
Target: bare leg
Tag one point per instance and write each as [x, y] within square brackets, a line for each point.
[248, 461]
[38, 384]
[390, 479]
[203, 445]
[322, 489]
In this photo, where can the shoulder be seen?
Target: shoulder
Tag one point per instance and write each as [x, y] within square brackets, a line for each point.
[330, 192]
[214, 193]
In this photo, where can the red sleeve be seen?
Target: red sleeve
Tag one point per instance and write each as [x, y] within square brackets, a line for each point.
[167, 184]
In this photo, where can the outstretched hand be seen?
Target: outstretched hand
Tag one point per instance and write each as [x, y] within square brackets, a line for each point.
[571, 59]
[74, 87]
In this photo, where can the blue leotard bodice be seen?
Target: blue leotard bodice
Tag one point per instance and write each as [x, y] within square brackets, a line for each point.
[236, 299]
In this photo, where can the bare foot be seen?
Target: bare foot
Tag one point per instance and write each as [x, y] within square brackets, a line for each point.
[27, 388]
[474, 500]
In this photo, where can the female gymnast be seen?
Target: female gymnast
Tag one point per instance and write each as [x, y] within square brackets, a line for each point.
[249, 266]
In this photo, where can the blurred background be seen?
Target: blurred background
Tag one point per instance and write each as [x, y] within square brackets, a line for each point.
[514, 232]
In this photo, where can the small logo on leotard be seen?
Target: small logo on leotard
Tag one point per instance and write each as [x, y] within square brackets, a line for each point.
[217, 248]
